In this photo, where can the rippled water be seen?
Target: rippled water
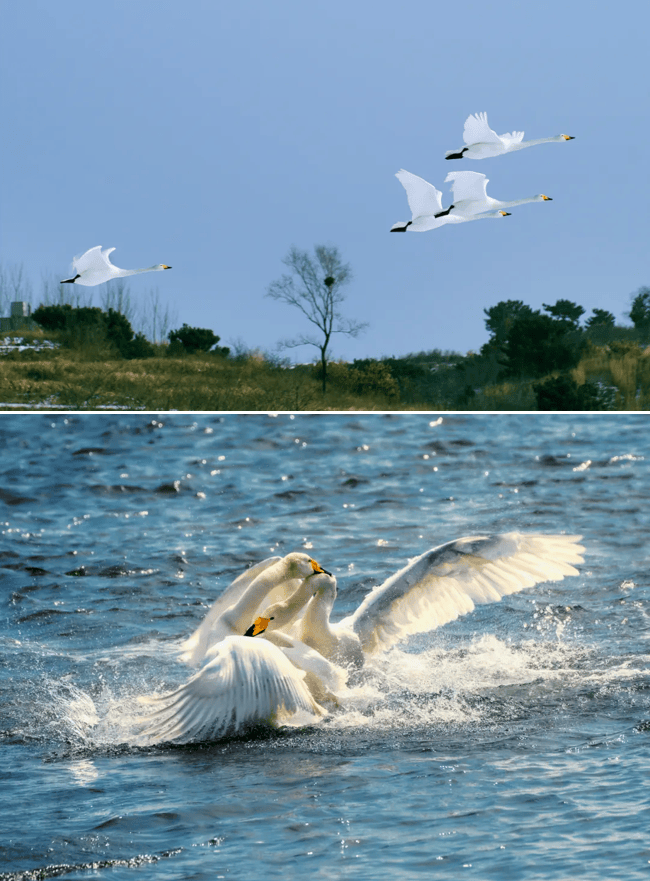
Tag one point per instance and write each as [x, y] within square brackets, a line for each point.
[512, 743]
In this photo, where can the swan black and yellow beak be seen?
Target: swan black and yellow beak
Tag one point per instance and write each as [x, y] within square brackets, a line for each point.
[506, 213]
[569, 137]
[258, 626]
[546, 198]
[317, 568]
[166, 267]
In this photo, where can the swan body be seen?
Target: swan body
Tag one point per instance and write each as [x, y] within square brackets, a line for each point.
[325, 679]
[249, 595]
[470, 196]
[435, 588]
[481, 142]
[425, 202]
[94, 267]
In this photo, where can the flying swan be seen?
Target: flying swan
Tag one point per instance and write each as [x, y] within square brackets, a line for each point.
[469, 189]
[425, 202]
[482, 143]
[302, 658]
[94, 267]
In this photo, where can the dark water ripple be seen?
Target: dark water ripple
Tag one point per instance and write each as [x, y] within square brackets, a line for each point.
[511, 743]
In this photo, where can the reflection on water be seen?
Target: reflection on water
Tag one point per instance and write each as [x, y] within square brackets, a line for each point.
[83, 772]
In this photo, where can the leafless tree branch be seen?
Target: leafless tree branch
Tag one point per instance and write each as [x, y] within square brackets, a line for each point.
[314, 287]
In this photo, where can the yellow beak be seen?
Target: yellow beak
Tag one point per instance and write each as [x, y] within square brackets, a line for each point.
[259, 626]
[317, 568]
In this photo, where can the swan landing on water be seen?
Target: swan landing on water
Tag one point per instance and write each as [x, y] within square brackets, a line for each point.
[299, 659]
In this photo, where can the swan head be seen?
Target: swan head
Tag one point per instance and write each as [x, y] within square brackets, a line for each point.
[504, 213]
[324, 585]
[162, 266]
[543, 198]
[299, 565]
[566, 137]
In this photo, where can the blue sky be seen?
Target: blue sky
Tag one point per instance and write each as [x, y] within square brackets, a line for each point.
[212, 136]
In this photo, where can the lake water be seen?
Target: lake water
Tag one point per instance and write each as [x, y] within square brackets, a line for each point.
[512, 743]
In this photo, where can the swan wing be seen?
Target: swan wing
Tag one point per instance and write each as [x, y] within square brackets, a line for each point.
[423, 198]
[513, 137]
[193, 648]
[471, 185]
[477, 130]
[449, 580]
[94, 260]
[247, 681]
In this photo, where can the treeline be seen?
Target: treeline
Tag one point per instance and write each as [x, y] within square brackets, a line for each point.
[555, 358]
[89, 326]
[532, 350]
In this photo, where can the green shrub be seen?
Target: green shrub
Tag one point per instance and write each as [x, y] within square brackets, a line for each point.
[194, 339]
[118, 331]
[53, 317]
[563, 393]
[362, 378]
[140, 347]
[90, 327]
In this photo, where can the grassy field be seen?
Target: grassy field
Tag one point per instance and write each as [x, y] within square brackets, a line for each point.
[91, 378]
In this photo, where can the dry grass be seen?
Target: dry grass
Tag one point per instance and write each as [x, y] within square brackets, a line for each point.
[88, 379]
[186, 383]
[625, 367]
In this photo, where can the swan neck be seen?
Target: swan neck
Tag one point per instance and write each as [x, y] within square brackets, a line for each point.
[256, 591]
[125, 272]
[536, 141]
[287, 611]
[317, 616]
[515, 202]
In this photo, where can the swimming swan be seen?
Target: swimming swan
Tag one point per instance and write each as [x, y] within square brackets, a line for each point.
[272, 581]
[425, 202]
[482, 143]
[470, 196]
[94, 267]
[435, 588]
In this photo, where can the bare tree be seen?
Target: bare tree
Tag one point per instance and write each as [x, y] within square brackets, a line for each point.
[117, 296]
[157, 318]
[14, 285]
[314, 287]
[55, 293]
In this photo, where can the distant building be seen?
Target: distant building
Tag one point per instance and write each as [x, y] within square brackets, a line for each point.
[20, 318]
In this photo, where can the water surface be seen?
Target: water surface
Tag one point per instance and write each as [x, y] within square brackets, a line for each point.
[512, 743]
